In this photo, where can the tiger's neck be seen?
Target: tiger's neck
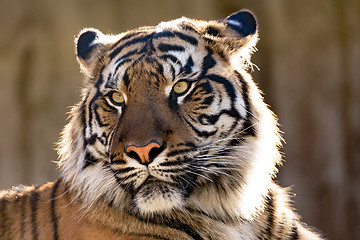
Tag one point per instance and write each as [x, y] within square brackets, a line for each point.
[194, 224]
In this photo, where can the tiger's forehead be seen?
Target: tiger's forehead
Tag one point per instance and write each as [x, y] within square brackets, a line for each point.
[151, 51]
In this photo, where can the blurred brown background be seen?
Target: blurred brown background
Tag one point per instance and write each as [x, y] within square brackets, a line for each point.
[309, 56]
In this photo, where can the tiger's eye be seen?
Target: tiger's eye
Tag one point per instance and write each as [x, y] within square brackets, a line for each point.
[181, 87]
[117, 98]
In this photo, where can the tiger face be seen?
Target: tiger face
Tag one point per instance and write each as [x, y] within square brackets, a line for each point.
[170, 120]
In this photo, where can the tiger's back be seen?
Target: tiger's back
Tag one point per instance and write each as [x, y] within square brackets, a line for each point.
[171, 140]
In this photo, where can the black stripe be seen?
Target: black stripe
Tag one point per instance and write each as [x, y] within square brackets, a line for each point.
[89, 160]
[189, 27]
[159, 69]
[163, 34]
[201, 133]
[231, 92]
[187, 38]
[123, 170]
[177, 162]
[211, 30]
[109, 108]
[148, 37]
[173, 223]
[117, 162]
[171, 57]
[82, 116]
[206, 89]
[177, 152]
[248, 125]
[170, 47]
[270, 218]
[188, 144]
[123, 59]
[173, 72]
[145, 39]
[126, 78]
[128, 54]
[92, 101]
[227, 84]
[121, 180]
[175, 170]
[126, 37]
[294, 234]
[91, 140]
[187, 69]
[34, 198]
[120, 65]
[100, 79]
[91, 110]
[212, 119]
[133, 41]
[54, 218]
[185, 228]
[98, 117]
[108, 81]
[208, 63]
[207, 100]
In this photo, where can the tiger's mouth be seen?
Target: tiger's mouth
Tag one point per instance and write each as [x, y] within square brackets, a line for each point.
[153, 183]
[157, 196]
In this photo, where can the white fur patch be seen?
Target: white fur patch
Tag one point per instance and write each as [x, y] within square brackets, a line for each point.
[158, 197]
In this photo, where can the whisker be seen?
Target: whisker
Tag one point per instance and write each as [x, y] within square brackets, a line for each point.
[200, 175]
[192, 183]
[217, 172]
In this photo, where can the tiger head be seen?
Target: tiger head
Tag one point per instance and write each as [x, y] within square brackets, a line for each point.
[170, 120]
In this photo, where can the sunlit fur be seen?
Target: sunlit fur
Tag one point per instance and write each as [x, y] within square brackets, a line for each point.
[211, 176]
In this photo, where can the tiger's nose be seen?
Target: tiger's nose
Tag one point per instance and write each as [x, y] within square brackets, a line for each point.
[144, 154]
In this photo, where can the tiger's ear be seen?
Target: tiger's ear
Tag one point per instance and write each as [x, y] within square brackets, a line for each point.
[243, 23]
[236, 35]
[90, 47]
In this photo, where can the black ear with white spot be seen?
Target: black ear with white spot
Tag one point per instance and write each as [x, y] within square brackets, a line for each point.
[89, 47]
[237, 32]
[243, 22]
[235, 36]
[242, 30]
[86, 43]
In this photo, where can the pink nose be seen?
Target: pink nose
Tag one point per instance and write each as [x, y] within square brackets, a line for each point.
[143, 152]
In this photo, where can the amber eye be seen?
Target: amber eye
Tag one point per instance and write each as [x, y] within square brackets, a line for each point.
[117, 98]
[181, 87]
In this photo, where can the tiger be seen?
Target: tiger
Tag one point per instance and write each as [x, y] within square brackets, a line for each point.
[171, 140]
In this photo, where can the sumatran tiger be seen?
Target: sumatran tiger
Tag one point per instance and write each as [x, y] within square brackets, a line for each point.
[171, 140]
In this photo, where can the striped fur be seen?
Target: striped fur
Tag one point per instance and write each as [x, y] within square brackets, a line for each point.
[183, 87]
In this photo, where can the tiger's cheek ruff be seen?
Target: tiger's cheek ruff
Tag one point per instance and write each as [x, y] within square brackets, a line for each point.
[85, 146]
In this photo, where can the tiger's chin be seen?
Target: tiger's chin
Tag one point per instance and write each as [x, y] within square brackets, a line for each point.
[157, 197]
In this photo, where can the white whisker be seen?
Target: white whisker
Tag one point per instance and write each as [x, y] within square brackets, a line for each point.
[200, 175]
